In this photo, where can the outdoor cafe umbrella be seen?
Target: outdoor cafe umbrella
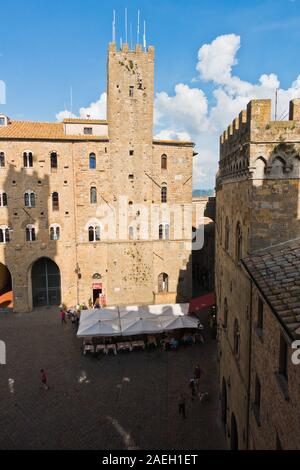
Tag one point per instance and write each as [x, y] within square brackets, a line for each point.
[182, 321]
[99, 328]
[136, 326]
[99, 314]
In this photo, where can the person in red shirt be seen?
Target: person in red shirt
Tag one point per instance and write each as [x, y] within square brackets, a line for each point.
[63, 316]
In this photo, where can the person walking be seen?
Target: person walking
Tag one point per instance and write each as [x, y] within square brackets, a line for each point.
[181, 406]
[192, 386]
[44, 380]
[63, 317]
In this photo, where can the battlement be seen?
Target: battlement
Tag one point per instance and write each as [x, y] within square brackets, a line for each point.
[255, 123]
[112, 48]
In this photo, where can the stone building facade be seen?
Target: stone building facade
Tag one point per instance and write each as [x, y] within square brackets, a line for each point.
[257, 206]
[77, 196]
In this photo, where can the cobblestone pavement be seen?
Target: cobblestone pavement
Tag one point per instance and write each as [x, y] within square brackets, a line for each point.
[129, 401]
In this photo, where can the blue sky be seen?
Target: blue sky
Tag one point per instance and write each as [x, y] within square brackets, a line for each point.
[48, 46]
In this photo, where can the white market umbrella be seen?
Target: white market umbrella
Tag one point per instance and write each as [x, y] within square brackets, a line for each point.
[99, 328]
[99, 314]
[131, 327]
[180, 322]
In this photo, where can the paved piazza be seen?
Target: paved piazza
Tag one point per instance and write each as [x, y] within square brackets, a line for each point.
[125, 402]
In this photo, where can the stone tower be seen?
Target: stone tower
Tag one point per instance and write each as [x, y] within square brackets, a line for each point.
[130, 93]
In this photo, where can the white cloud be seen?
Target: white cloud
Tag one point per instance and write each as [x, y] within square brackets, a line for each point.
[189, 114]
[96, 110]
[216, 59]
[189, 109]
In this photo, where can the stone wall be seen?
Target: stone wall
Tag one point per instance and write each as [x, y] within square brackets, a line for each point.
[279, 417]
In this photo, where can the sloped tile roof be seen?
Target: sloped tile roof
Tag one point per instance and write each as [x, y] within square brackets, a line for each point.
[276, 272]
[41, 130]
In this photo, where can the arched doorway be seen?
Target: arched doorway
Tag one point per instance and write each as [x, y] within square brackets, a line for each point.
[6, 293]
[46, 285]
[224, 404]
[234, 441]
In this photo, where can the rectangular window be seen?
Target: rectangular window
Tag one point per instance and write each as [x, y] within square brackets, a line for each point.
[257, 399]
[131, 152]
[260, 314]
[2, 121]
[283, 357]
[131, 91]
[88, 131]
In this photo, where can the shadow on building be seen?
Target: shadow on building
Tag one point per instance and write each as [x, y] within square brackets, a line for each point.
[29, 276]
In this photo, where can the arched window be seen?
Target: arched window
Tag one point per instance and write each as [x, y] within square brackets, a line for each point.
[92, 161]
[30, 233]
[236, 338]
[94, 233]
[4, 234]
[164, 232]
[54, 232]
[164, 162]
[260, 168]
[163, 282]
[53, 160]
[28, 159]
[225, 322]
[93, 195]
[164, 193]
[238, 242]
[3, 199]
[29, 199]
[131, 233]
[2, 159]
[55, 201]
[227, 234]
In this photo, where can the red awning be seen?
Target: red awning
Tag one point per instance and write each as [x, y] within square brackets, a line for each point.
[203, 302]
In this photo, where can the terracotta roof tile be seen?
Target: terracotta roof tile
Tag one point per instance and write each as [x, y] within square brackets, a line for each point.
[279, 284]
[41, 130]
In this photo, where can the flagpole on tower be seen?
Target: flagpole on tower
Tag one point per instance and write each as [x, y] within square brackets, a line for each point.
[114, 27]
[138, 28]
[145, 42]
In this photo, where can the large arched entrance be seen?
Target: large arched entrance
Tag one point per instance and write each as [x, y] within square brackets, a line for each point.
[46, 286]
[234, 441]
[224, 404]
[6, 293]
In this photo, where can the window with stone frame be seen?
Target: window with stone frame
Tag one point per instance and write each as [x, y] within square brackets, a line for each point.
[2, 159]
[236, 338]
[260, 315]
[55, 201]
[238, 242]
[164, 162]
[131, 233]
[3, 199]
[28, 159]
[163, 283]
[53, 161]
[54, 232]
[93, 195]
[92, 161]
[283, 357]
[30, 233]
[94, 233]
[4, 234]
[257, 400]
[164, 194]
[225, 320]
[164, 232]
[29, 199]
[227, 234]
